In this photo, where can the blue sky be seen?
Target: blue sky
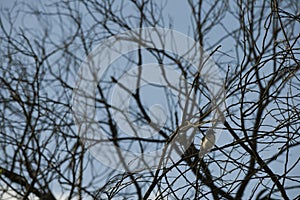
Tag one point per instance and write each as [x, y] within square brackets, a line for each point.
[177, 13]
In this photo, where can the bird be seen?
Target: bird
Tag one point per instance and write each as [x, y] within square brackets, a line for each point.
[208, 142]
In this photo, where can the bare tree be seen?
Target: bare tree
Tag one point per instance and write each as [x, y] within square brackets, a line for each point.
[255, 46]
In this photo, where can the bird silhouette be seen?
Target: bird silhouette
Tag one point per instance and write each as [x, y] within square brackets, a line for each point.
[207, 143]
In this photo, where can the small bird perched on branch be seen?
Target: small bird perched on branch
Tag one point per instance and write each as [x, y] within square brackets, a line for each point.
[208, 142]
